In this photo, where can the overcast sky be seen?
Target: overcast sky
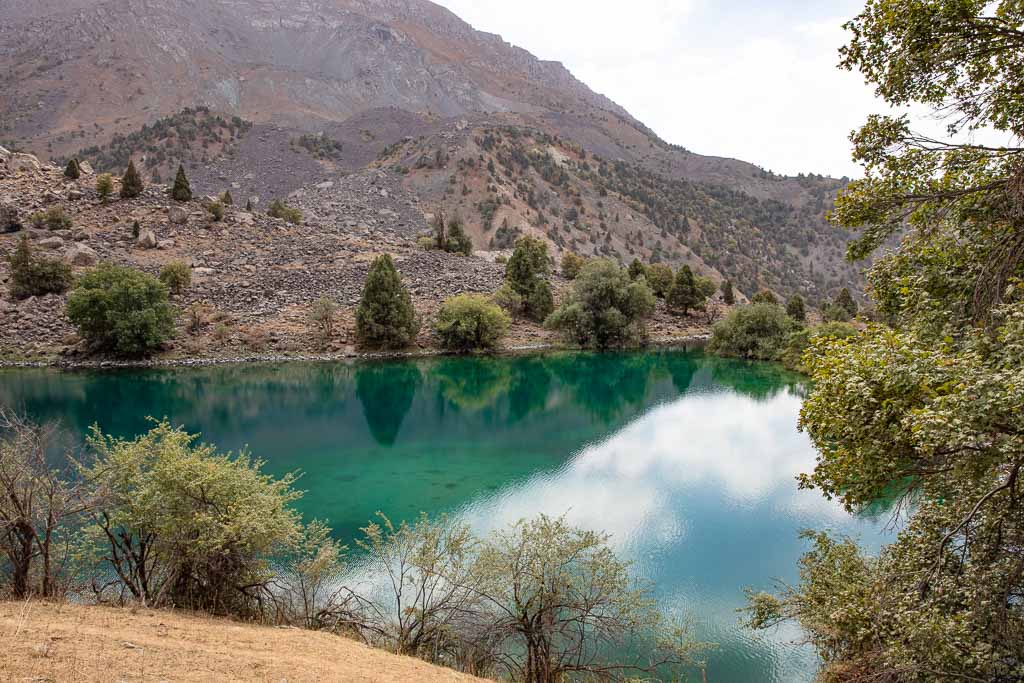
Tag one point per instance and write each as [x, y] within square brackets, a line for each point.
[750, 79]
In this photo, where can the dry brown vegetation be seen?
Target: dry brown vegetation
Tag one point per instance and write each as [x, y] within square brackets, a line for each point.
[63, 642]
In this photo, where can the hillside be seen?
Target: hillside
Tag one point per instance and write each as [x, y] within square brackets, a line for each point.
[373, 74]
[49, 642]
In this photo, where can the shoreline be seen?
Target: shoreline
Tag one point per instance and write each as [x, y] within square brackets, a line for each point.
[257, 359]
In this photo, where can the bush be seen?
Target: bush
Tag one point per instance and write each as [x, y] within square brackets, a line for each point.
[216, 211]
[637, 270]
[385, 317]
[458, 241]
[279, 209]
[121, 310]
[764, 297]
[131, 184]
[526, 275]
[605, 308]
[226, 199]
[845, 300]
[426, 243]
[73, 171]
[660, 279]
[796, 309]
[176, 276]
[571, 265]
[33, 275]
[800, 340]
[321, 315]
[758, 332]
[104, 186]
[836, 313]
[54, 218]
[182, 191]
[470, 322]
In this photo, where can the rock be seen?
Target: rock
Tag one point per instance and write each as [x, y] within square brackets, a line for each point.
[75, 195]
[85, 167]
[10, 217]
[203, 271]
[52, 242]
[79, 235]
[147, 240]
[24, 162]
[81, 255]
[244, 218]
[5, 155]
[326, 185]
[165, 244]
[177, 215]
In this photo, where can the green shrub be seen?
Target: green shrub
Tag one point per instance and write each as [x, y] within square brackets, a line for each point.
[131, 183]
[73, 171]
[385, 317]
[216, 211]
[571, 265]
[182, 191]
[426, 243]
[470, 322]
[660, 279]
[845, 299]
[104, 186]
[796, 309]
[321, 315]
[33, 275]
[800, 340]
[526, 274]
[637, 269]
[836, 314]
[121, 310]
[54, 218]
[176, 276]
[758, 332]
[605, 307]
[764, 297]
[278, 209]
[458, 241]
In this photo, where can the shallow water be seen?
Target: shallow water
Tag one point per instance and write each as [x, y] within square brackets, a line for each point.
[688, 461]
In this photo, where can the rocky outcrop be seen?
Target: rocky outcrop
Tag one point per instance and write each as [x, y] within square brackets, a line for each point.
[10, 216]
[81, 255]
[24, 162]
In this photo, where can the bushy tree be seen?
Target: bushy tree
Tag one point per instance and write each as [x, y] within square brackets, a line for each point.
[764, 297]
[121, 310]
[637, 269]
[796, 309]
[182, 191]
[845, 300]
[321, 315]
[606, 308]
[660, 278]
[526, 275]
[804, 338]
[33, 275]
[684, 295]
[756, 332]
[470, 322]
[728, 295]
[176, 276]
[131, 183]
[458, 241]
[571, 265]
[54, 218]
[104, 186]
[73, 171]
[836, 314]
[385, 317]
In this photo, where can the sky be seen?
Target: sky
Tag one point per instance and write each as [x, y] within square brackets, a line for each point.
[752, 80]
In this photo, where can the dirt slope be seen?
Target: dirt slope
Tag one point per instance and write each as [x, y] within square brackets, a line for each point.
[43, 642]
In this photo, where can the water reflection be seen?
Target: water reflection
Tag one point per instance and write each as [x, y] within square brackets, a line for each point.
[687, 461]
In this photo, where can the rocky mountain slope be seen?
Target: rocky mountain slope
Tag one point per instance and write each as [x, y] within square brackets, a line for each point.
[403, 85]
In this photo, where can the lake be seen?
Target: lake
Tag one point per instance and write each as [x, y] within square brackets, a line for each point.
[688, 461]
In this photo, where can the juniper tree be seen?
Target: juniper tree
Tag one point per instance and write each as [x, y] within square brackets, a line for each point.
[458, 241]
[684, 295]
[181, 191]
[131, 183]
[728, 296]
[385, 317]
[845, 299]
[796, 309]
[72, 170]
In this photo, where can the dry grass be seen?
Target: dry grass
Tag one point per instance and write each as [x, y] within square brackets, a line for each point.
[58, 642]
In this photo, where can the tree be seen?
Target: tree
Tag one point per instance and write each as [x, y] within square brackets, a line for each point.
[757, 332]
[73, 171]
[385, 317]
[796, 309]
[925, 411]
[571, 265]
[440, 228]
[728, 296]
[182, 191]
[33, 275]
[605, 308]
[321, 315]
[684, 294]
[765, 297]
[121, 310]
[660, 278]
[104, 186]
[131, 183]
[458, 241]
[526, 275]
[845, 301]
[470, 322]
[637, 270]
[216, 211]
[176, 276]
[180, 524]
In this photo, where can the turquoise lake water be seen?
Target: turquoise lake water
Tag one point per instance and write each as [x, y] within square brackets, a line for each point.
[688, 461]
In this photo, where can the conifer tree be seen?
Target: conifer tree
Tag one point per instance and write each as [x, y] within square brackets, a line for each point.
[845, 299]
[684, 295]
[440, 235]
[131, 183]
[796, 309]
[72, 170]
[385, 317]
[526, 274]
[728, 296]
[248, 205]
[636, 269]
[458, 240]
[182, 192]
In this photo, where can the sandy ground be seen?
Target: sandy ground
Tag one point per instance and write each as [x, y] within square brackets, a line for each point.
[57, 643]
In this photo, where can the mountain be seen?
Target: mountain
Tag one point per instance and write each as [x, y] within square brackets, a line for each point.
[402, 85]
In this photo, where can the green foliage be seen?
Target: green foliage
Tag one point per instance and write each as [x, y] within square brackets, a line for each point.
[185, 526]
[216, 211]
[728, 295]
[685, 295]
[33, 275]
[131, 183]
[321, 315]
[796, 309]
[176, 276]
[458, 241]
[764, 297]
[804, 338]
[54, 218]
[121, 311]
[571, 265]
[606, 308]
[526, 275]
[385, 317]
[660, 278]
[104, 186]
[181, 191]
[470, 322]
[637, 269]
[757, 332]
[279, 209]
[845, 301]
[321, 146]
[72, 171]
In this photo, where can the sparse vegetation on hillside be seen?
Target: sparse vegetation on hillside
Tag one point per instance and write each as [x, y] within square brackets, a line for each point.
[279, 209]
[321, 146]
[176, 276]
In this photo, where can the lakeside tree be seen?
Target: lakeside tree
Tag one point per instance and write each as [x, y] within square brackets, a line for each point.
[470, 322]
[176, 276]
[605, 308]
[131, 183]
[756, 332]
[684, 295]
[321, 316]
[181, 191]
[926, 410]
[660, 279]
[526, 276]
[121, 311]
[385, 317]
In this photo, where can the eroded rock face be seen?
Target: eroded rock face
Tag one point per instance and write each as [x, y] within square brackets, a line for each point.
[24, 162]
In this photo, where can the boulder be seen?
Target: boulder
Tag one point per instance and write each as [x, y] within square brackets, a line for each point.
[24, 162]
[326, 185]
[5, 155]
[177, 215]
[147, 240]
[85, 167]
[10, 217]
[75, 195]
[52, 242]
[81, 255]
